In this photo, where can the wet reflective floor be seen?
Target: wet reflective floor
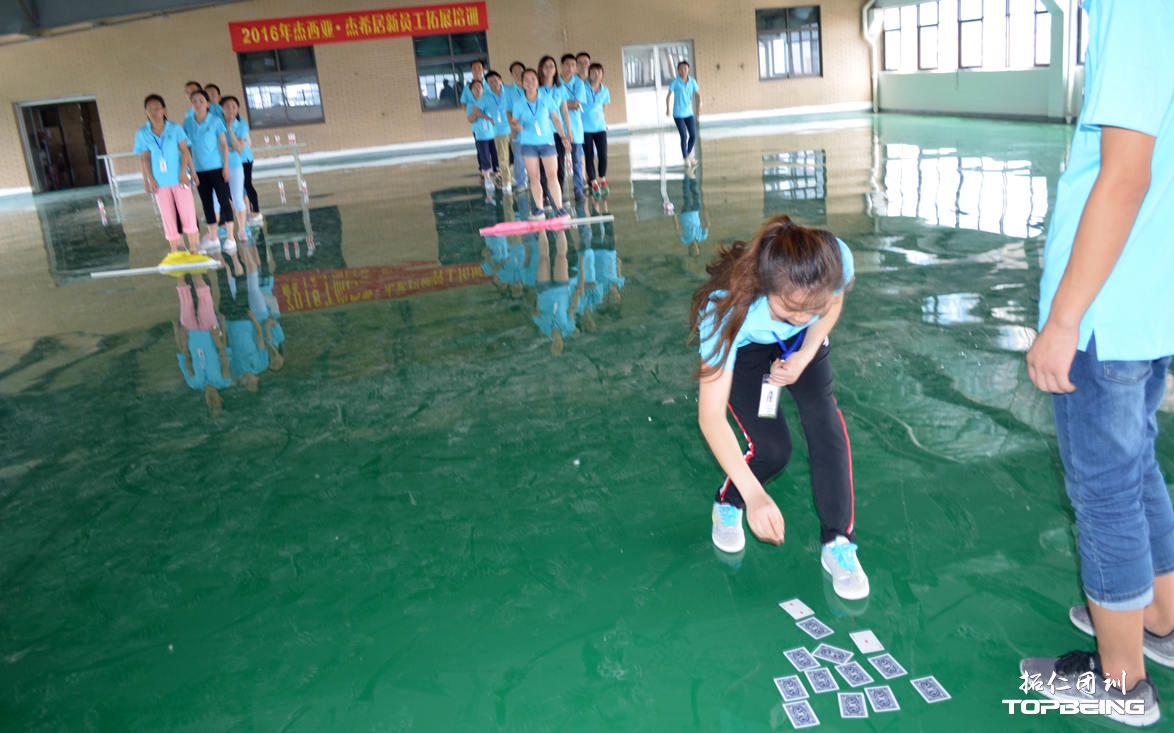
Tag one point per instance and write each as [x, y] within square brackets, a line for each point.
[453, 483]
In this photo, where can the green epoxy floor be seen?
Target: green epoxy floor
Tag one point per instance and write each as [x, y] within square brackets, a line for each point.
[428, 522]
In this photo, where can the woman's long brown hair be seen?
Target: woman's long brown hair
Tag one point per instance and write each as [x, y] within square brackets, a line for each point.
[781, 258]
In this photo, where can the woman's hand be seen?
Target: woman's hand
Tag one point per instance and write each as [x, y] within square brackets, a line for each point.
[150, 185]
[227, 174]
[765, 520]
[785, 372]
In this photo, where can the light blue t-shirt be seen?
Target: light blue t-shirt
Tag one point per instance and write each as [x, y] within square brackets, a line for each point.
[235, 159]
[240, 128]
[1128, 83]
[164, 148]
[205, 141]
[495, 105]
[244, 357]
[467, 93]
[593, 108]
[537, 126]
[691, 229]
[683, 92]
[573, 91]
[482, 128]
[760, 327]
[213, 109]
[206, 365]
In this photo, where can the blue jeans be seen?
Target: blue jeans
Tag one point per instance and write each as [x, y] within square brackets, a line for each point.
[520, 178]
[1124, 520]
[577, 164]
[687, 125]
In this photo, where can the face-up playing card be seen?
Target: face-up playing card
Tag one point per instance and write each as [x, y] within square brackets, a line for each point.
[821, 680]
[801, 714]
[815, 628]
[854, 674]
[887, 666]
[791, 688]
[930, 689]
[852, 705]
[882, 699]
[801, 658]
[797, 608]
[833, 654]
[866, 642]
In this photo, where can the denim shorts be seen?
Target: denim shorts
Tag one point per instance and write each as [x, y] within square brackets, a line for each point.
[538, 151]
[1124, 520]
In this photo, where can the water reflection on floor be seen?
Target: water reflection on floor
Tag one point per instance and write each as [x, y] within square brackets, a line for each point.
[474, 496]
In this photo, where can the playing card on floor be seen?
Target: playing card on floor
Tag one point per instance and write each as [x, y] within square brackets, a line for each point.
[930, 689]
[866, 642]
[833, 654]
[801, 714]
[887, 666]
[797, 608]
[854, 674]
[882, 699]
[852, 705]
[821, 680]
[791, 688]
[801, 658]
[815, 628]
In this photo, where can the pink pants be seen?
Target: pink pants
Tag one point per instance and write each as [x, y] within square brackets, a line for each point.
[205, 319]
[170, 198]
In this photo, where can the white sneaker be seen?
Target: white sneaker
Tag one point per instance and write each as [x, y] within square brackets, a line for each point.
[507, 188]
[848, 578]
[728, 535]
[230, 247]
[209, 245]
[256, 218]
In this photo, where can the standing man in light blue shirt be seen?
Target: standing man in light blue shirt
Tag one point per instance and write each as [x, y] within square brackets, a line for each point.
[1104, 347]
[574, 89]
[679, 105]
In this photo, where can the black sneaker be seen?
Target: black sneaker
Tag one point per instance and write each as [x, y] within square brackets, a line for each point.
[1076, 677]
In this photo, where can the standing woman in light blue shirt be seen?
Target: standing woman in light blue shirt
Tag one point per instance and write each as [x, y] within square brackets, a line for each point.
[679, 105]
[238, 133]
[166, 164]
[534, 118]
[551, 85]
[209, 139]
[597, 97]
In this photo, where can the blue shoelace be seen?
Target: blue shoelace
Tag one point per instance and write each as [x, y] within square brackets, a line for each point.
[845, 554]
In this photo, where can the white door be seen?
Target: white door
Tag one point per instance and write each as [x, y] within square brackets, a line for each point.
[648, 69]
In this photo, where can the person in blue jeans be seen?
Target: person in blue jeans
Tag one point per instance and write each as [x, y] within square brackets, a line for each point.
[1104, 346]
[679, 105]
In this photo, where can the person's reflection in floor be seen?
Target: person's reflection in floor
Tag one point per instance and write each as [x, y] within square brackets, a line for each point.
[199, 339]
[556, 307]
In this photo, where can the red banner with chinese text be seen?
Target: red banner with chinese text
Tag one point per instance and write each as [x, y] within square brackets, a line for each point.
[316, 289]
[361, 25]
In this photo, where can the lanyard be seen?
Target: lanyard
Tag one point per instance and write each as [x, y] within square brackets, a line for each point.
[159, 139]
[534, 110]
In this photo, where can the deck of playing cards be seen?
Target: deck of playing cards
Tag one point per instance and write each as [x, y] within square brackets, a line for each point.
[833, 654]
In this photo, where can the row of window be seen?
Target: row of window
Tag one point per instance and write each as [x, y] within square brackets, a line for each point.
[971, 34]
[281, 87]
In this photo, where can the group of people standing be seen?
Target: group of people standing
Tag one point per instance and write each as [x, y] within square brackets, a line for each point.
[210, 149]
[529, 130]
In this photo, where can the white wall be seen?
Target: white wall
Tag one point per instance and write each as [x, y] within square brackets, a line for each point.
[1019, 93]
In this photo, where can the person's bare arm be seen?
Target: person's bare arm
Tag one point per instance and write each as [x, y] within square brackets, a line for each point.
[1105, 224]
